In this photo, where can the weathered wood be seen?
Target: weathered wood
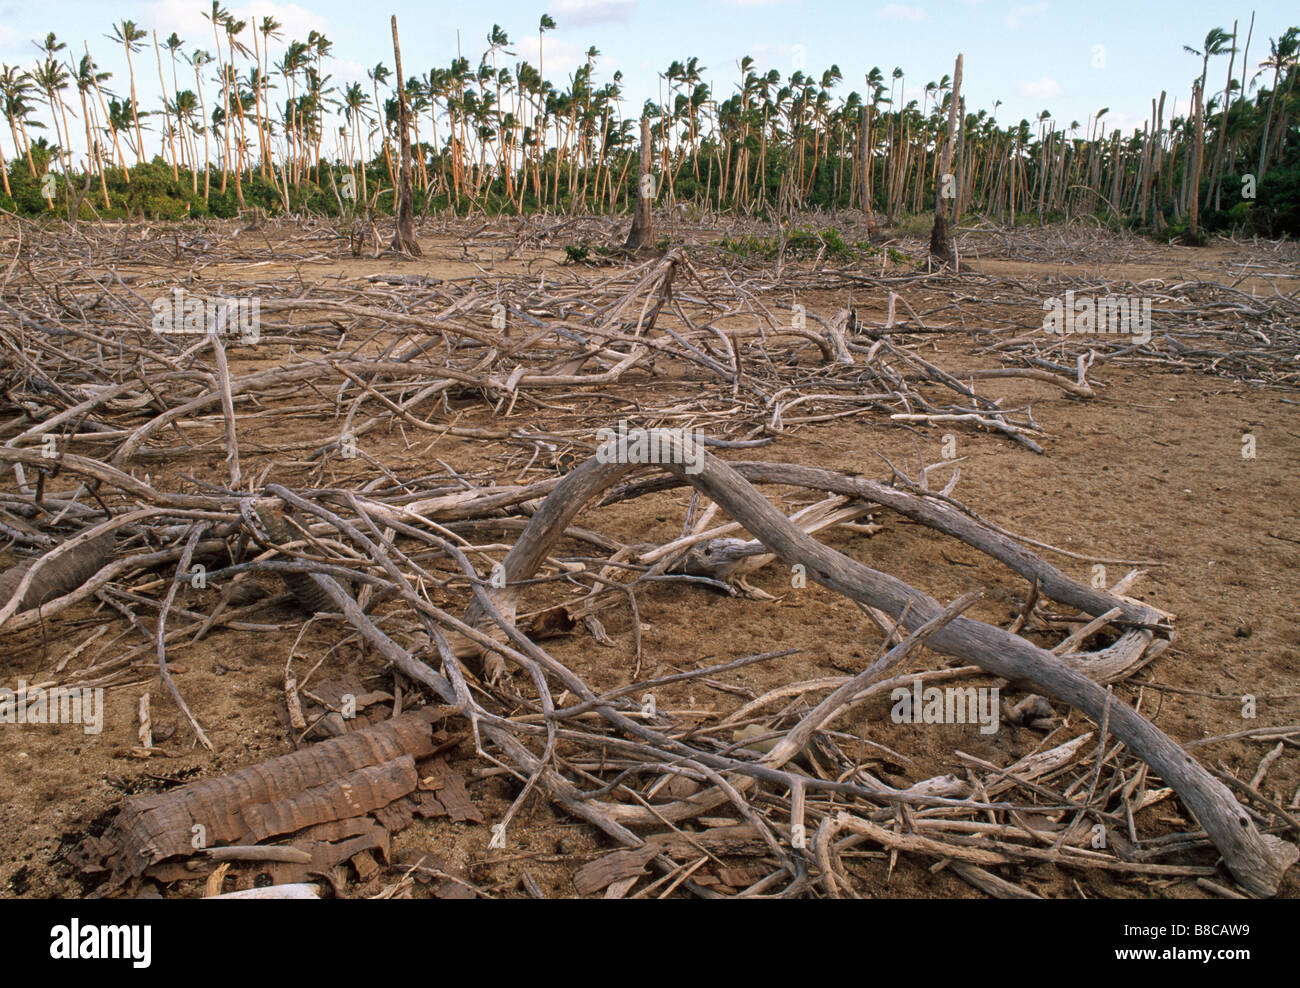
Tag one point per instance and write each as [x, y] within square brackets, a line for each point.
[642, 234]
[940, 240]
[404, 230]
[1257, 860]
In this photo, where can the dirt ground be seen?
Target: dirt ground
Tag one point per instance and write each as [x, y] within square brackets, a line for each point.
[1150, 469]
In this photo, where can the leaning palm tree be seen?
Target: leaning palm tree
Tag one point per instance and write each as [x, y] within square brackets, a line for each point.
[185, 105]
[88, 78]
[173, 44]
[354, 109]
[51, 79]
[1282, 55]
[219, 16]
[380, 74]
[1216, 42]
[199, 59]
[269, 28]
[15, 85]
[128, 35]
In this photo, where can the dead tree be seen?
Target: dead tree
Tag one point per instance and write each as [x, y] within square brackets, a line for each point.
[864, 163]
[643, 232]
[1194, 183]
[940, 240]
[404, 231]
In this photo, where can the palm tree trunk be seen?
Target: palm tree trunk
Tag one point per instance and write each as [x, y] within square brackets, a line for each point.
[171, 135]
[135, 117]
[642, 233]
[203, 112]
[1198, 147]
[404, 229]
[940, 240]
[4, 172]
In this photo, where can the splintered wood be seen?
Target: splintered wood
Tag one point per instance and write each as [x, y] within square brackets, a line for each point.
[296, 485]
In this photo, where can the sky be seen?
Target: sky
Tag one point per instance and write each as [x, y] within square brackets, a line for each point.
[1069, 58]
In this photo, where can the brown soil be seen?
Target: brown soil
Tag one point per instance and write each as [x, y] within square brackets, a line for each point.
[1150, 469]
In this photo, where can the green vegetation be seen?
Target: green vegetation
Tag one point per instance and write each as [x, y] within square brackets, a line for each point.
[236, 128]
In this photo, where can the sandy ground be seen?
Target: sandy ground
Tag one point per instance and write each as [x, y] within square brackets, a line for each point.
[1150, 469]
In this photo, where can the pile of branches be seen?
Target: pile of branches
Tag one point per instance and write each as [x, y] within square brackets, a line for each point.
[94, 394]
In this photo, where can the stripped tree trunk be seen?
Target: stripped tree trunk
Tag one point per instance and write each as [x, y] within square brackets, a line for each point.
[404, 231]
[940, 241]
[864, 163]
[642, 233]
[1194, 183]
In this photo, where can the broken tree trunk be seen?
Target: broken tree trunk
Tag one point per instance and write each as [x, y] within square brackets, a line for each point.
[864, 163]
[642, 234]
[404, 231]
[1198, 150]
[940, 240]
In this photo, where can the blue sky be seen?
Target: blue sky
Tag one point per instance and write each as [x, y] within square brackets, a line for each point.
[1071, 58]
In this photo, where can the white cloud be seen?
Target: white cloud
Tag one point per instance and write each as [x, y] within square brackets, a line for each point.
[778, 56]
[346, 70]
[6, 35]
[185, 17]
[1023, 12]
[1125, 123]
[763, 49]
[1041, 89]
[580, 12]
[902, 12]
[562, 56]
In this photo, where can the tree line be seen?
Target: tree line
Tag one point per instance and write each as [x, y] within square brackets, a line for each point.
[235, 127]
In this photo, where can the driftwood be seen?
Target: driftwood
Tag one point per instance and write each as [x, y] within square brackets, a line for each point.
[368, 531]
[1257, 860]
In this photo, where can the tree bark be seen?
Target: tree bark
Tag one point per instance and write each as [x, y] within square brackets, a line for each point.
[940, 240]
[642, 234]
[404, 240]
[1194, 182]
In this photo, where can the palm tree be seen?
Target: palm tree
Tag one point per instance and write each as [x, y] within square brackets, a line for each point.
[167, 119]
[269, 28]
[173, 44]
[88, 78]
[128, 35]
[199, 59]
[380, 75]
[15, 85]
[544, 24]
[1215, 41]
[1282, 55]
[234, 98]
[354, 106]
[186, 105]
[219, 16]
[293, 61]
[52, 78]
